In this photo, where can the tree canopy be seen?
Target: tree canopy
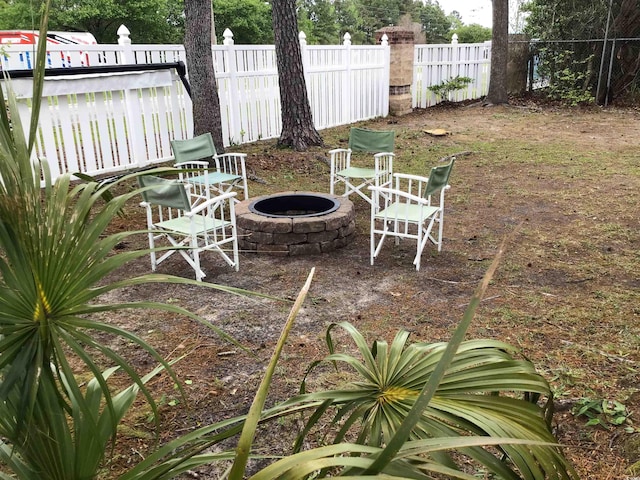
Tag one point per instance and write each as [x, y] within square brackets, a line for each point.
[570, 39]
[473, 33]
[162, 21]
[150, 21]
[249, 20]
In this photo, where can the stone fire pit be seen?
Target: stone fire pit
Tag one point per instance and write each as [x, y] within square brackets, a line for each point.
[295, 223]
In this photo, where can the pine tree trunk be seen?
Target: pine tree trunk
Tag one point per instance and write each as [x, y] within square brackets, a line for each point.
[499, 54]
[626, 25]
[204, 88]
[298, 131]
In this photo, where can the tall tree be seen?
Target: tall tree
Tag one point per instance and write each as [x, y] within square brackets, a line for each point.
[324, 26]
[435, 24]
[499, 54]
[202, 77]
[348, 20]
[298, 131]
[584, 20]
[375, 14]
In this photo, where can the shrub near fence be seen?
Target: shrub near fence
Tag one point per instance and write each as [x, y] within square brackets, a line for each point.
[434, 64]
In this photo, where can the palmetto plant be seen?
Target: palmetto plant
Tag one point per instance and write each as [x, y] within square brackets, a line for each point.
[54, 258]
[467, 401]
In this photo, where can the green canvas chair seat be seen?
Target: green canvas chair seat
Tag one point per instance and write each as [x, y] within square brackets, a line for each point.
[188, 223]
[218, 173]
[216, 177]
[356, 178]
[184, 224]
[411, 209]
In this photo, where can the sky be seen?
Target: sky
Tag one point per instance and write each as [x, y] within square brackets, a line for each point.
[471, 11]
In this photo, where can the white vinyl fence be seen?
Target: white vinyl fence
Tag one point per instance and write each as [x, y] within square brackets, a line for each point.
[131, 121]
[434, 64]
[97, 124]
[113, 122]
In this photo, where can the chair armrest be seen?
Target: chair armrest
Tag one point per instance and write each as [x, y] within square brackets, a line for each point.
[336, 150]
[407, 176]
[232, 154]
[393, 192]
[339, 159]
[211, 201]
[339, 151]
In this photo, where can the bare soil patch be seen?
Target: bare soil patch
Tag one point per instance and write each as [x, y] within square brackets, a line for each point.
[566, 292]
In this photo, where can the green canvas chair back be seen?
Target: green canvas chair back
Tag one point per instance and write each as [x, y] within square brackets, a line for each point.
[438, 178]
[373, 141]
[167, 193]
[192, 149]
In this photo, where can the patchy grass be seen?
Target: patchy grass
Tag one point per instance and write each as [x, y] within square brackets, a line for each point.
[566, 293]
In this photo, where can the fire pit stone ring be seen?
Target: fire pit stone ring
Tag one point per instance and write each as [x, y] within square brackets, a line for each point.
[295, 223]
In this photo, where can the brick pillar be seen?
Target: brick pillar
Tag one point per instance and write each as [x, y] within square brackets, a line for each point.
[401, 42]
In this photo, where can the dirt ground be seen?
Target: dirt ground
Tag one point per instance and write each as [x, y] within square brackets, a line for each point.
[566, 292]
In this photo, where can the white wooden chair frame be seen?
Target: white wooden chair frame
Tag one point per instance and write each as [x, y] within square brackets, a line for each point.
[405, 212]
[226, 173]
[356, 179]
[202, 225]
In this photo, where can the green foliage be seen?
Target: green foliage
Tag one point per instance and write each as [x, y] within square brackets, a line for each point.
[476, 396]
[348, 20]
[567, 77]
[435, 24]
[551, 20]
[321, 15]
[605, 413]
[456, 20]
[446, 87]
[249, 20]
[375, 14]
[473, 33]
[583, 21]
[150, 21]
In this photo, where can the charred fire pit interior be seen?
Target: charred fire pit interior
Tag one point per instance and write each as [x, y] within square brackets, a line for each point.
[294, 205]
[295, 223]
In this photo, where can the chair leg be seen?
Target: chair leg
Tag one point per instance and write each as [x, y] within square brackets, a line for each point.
[236, 256]
[152, 252]
[372, 242]
[349, 188]
[419, 247]
[440, 228]
[196, 258]
[375, 249]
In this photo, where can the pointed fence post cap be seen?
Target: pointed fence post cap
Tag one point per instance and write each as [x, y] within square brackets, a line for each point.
[123, 35]
[227, 35]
